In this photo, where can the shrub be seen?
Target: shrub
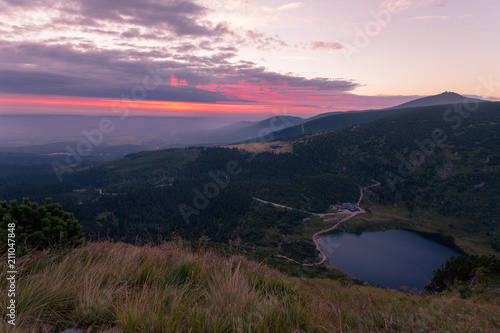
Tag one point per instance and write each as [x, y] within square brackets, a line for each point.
[38, 226]
[460, 269]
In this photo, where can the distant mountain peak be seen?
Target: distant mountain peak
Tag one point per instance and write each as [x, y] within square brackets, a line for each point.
[448, 93]
[447, 97]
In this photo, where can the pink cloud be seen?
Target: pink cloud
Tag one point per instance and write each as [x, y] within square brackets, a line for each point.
[330, 46]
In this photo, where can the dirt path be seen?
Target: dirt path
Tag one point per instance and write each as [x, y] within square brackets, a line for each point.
[361, 189]
[322, 254]
[291, 208]
[281, 206]
[316, 241]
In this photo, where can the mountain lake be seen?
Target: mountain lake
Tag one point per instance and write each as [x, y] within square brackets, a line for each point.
[391, 258]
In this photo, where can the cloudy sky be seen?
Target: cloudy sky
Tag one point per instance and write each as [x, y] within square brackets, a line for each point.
[195, 57]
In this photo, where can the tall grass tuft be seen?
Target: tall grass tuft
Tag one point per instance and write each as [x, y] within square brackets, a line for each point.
[171, 289]
[152, 289]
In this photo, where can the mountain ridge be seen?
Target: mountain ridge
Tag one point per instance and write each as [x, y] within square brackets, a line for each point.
[447, 97]
[331, 121]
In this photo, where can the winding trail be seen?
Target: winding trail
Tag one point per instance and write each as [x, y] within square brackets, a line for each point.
[290, 208]
[282, 206]
[322, 254]
[365, 188]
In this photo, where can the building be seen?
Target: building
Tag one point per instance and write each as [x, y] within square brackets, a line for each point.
[350, 206]
[307, 219]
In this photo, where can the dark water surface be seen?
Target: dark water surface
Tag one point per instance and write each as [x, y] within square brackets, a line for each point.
[392, 258]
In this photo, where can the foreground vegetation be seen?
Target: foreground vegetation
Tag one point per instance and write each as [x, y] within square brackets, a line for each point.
[153, 289]
[454, 274]
[169, 288]
[35, 226]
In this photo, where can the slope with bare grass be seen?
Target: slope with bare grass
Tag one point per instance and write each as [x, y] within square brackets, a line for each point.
[172, 289]
[152, 289]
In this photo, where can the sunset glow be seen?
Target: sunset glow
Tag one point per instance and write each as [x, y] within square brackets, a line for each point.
[136, 107]
[238, 57]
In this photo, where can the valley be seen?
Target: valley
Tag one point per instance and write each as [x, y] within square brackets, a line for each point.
[316, 171]
[276, 201]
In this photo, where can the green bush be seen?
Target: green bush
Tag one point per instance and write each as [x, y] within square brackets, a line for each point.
[463, 289]
[37, 226]
[461, 268]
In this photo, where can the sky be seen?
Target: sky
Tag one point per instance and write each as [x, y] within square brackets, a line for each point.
[242, 57]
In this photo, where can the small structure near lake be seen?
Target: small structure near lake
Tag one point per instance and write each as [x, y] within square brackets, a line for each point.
[350, 206]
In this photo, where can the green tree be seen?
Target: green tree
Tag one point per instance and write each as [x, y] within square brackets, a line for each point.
[460, 268]
[38, 226]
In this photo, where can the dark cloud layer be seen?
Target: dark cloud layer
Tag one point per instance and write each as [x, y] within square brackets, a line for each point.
[73, 71]
[40, 83]
[184, 18]
[175, 36]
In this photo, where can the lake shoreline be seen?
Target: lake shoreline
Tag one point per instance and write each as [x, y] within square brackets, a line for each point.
[446, 240]
[390, 258]
[440, 238]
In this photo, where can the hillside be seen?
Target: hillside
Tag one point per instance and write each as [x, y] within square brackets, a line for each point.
[246, 130]
[447, 97]
[334, 120]
[170, 288]
[453, 190]
[450, 187]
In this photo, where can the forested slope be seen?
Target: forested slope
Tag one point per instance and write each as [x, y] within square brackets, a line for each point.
[443, 159]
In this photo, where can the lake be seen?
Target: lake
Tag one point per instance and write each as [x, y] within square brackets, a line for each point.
[392, 258]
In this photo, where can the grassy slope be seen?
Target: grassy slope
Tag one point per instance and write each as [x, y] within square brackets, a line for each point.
[170, 289]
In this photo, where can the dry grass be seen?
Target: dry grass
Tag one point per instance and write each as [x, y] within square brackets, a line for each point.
[261, 147]
[170, 289]
[152, 289]
[369, 309]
